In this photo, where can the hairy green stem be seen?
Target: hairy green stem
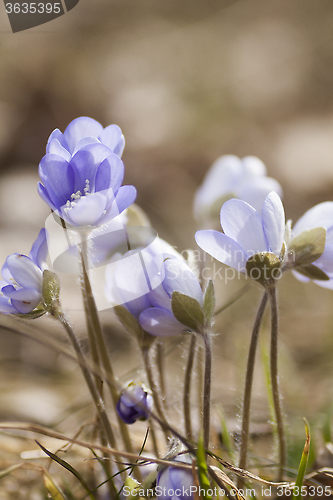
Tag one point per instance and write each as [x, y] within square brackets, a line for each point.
[187, 387]
[160, 365]
[207, 387]
[200, 377]
[153, 387]
[99, 403]
[244, 438]
[92, 319]
[275, 381]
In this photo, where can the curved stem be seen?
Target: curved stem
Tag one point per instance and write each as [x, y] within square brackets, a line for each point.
[153, 387]
[275, 381]
[187, 387]
[207, 387]
[249, 382]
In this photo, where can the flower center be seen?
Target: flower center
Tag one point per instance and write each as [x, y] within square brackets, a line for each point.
[75, 197]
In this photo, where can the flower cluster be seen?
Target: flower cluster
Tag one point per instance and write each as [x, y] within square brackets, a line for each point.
[82, 173]
[135, 403]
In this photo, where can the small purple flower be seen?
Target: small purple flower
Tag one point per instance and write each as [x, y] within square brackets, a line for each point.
[81, 132]
[135, 403]
[232, 177]
[85, 189]
[174, 483]
[145, 284]
[245, 232]
[21, 288]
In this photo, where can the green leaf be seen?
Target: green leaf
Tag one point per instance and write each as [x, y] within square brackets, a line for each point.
[187, 311]
[263, 266]
[209, 302]
[307, 247]
[302, 466]
[203, 469]
[67, 466]
[313, 272]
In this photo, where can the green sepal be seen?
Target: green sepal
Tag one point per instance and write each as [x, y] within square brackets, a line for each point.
[209, 302]
[187, 311]
[263, 266]
[203, 470]
[133, 327]
[50, 289]
[307, 247]
[313, 272]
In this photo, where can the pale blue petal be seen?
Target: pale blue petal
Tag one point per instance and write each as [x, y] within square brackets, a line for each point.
[22, 294]
[180, 278]
[45, 196]
[318, 216]
[54, 147]
[56, 134]
[6, 306]
[110, 173]
[255, 191]
[26, 306]
[85, 164]
[159, 298]
[252, 167]
[57, 177]
[87, 211]
[222, 248]
[160, 322]
[113, 138]
[86, 141]
[24, 271]
[80, 128]
[125, 197]
[243, 224]
[273, 222]
[38, 251]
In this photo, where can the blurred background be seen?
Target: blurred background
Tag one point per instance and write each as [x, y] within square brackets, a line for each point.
[187, 81]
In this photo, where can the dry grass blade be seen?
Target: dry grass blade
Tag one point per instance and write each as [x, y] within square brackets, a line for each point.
[226, 480]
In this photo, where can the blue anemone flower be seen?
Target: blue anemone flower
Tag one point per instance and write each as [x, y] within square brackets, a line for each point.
[21, 288]
[85, 189]
[174, 483]
[135, 403]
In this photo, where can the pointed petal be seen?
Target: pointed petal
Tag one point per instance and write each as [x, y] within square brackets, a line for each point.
[318, 216]
[80, 128]
[160, 322]
[243, 224]
[54, 147]
[24, 271]
[222, 248]
[274, 222]
[57, 177]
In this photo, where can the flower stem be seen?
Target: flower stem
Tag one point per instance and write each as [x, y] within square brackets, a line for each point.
[187, 387]
[153, 387]
[99, 403]
[160, 364]
[275, 381]
[94, 325]
[249, 382]
[207, 387]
